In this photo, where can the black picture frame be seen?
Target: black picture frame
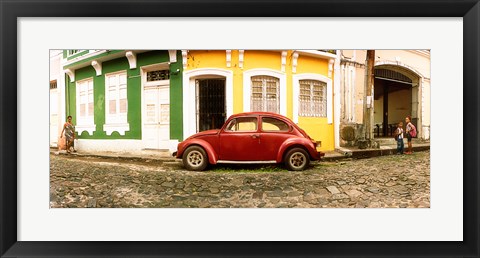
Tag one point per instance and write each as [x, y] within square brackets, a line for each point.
[11, 10]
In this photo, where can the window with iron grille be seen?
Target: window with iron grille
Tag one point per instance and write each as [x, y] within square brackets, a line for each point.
[116, 98]
[53, 84]
[158, 75]
[85, 102]
[265, 94]
[312, 98]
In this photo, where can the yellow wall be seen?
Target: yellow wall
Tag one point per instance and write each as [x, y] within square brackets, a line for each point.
[237, 83]
[307, 64]
[262, 59]
[317, 128]
[206, 58]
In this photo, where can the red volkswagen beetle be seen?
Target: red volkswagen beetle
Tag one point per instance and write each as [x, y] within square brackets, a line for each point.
[254, 137]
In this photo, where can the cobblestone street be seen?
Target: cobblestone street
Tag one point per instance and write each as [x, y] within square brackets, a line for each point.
[396, 181]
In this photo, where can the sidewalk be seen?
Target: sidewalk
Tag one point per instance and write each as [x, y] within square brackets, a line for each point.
[338, 154]
[356, 153]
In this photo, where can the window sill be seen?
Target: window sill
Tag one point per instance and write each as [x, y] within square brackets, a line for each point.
[120, 128]
[89, 128]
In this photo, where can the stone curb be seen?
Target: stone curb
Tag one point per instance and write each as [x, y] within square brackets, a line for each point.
[108, 156]
[343, 153]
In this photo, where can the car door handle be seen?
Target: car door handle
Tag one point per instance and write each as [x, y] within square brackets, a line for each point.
[255, 136]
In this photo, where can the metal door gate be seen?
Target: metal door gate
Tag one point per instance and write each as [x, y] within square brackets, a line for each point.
[210, 104]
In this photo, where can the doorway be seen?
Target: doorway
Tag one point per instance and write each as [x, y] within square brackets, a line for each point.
[210, 101]
[394, 100]
[54, 125]
[156, 109]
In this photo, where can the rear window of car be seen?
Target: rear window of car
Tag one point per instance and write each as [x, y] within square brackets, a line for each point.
[274, 125]
[242, 124]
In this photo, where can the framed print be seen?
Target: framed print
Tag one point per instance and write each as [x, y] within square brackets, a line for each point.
[117, 59]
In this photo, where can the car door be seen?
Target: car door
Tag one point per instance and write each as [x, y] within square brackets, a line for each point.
[273, 133]
[240, 139]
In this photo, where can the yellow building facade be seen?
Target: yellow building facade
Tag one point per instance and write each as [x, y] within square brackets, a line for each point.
[294, 83]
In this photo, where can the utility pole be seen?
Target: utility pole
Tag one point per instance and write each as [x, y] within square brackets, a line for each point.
[368, 111]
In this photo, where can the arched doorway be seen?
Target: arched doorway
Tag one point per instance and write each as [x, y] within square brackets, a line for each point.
[396, 95]
[207, 99]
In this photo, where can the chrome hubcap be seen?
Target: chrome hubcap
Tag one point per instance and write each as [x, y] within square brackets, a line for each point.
[297, 160]
[195, 158]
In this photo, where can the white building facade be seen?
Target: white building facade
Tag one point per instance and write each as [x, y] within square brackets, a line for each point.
[401, 88]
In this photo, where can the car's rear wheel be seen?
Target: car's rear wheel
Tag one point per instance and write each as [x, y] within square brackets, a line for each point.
[195, 158]
[297, 159]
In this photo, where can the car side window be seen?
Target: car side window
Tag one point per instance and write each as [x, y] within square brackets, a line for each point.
[274, 125]
[242, 124]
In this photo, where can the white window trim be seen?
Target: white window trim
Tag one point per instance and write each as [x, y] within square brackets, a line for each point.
[189, 105]
[247, 80]
[120, 128]
[310, 112]
[87, 128]
[296, 92]
[87, 123]
[114, 124]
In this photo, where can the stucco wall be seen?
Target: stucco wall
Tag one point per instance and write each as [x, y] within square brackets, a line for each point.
[416, 63]
[269, 61]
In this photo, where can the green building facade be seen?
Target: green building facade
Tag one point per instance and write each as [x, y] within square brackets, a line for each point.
[124, 100]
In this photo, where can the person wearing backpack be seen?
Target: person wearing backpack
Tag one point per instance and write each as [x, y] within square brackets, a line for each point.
[399, 138]
[411, 132]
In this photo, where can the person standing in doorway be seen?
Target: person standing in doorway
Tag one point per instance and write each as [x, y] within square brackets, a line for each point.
[69, 130]
[411, 132]
[399, 138]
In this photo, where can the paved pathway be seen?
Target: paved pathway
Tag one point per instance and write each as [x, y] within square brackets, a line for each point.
[388, 181]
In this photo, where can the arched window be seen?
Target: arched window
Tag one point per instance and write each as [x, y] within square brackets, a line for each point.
[265, 94]
[312, 98]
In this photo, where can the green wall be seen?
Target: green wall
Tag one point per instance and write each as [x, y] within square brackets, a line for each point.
[134, 93]
[176, 99]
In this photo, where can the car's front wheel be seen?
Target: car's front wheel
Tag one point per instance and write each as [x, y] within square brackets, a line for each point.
[195, 158]
[297, 159]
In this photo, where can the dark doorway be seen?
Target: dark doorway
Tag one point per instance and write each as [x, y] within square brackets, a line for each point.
[210, 104]
[393, 101]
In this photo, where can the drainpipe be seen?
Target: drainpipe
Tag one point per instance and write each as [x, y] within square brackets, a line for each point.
[67, 95]
[336, 100]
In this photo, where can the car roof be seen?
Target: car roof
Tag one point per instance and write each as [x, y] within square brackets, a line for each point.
[259, 113]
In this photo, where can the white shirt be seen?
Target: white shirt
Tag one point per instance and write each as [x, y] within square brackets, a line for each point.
[400, 130]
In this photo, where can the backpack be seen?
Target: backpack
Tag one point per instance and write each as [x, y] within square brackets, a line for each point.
[413, 131]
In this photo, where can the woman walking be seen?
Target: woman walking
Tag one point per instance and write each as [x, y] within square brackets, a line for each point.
[69, 130]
